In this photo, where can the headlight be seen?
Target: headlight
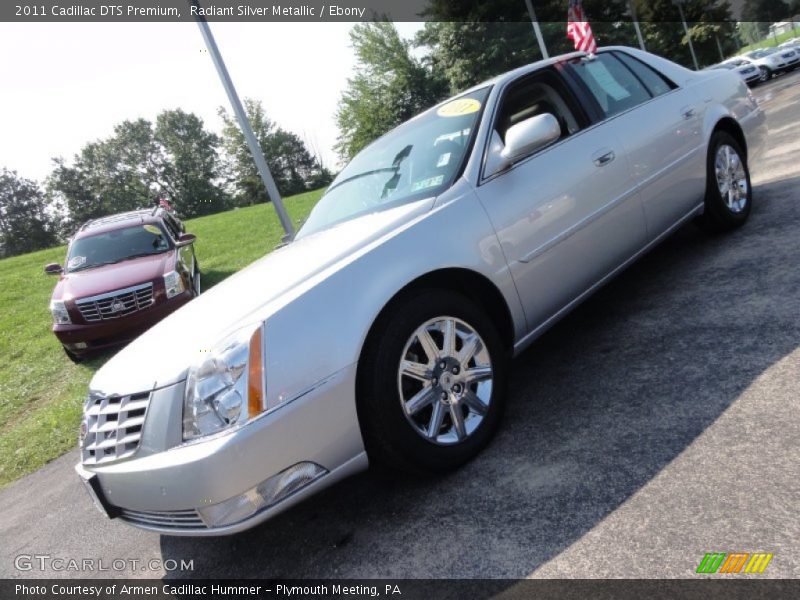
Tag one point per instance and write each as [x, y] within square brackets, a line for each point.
[60, 314]
[226, 387]
[173, 283]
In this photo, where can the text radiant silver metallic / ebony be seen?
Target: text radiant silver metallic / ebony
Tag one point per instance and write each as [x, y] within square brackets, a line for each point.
[385, 329]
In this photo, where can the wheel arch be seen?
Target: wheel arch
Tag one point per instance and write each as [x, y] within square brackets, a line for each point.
[473, 285]
[731, 126]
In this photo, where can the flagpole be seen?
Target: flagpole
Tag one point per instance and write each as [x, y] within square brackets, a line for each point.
[536, 29]
[632, 8]
[247, 130]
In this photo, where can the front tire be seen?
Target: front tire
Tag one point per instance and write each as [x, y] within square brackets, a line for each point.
[766, 74]
[75, 358]
[431, 383]
[729, 194]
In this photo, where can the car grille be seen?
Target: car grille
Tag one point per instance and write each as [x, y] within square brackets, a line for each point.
[114, 305]
[173, 519]
[112, 427]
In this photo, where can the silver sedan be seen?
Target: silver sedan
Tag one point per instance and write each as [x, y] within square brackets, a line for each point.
[384, 332]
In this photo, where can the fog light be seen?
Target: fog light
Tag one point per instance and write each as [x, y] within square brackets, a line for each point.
[265, 494]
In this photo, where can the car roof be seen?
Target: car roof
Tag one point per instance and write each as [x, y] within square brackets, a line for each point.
[120, 221]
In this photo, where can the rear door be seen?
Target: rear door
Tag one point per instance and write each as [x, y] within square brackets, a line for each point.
[659, 125]
[568, 214]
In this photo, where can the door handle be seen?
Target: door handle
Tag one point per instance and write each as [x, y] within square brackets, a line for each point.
[604, 159]
[687, 112]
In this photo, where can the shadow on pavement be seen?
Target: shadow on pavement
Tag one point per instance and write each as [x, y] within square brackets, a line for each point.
[597, 408]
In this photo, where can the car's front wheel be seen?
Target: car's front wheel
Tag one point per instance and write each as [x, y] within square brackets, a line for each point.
[766, 74]
[431, 383]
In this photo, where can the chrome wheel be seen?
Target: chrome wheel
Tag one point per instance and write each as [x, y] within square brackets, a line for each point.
[731, 178]
[764, 74]
[445, 380]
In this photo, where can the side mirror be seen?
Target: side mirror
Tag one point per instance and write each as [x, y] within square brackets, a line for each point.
[53, 269]
[530, 135]
[186, 239]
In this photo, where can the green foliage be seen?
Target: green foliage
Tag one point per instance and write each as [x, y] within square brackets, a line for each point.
[41, 391]
[390, 86]
[177, 157]
[25, 223]
[292, 166]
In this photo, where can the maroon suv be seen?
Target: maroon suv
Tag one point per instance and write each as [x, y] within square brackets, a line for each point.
[123, 273]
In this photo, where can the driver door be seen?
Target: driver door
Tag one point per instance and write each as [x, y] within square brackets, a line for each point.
[569, 213]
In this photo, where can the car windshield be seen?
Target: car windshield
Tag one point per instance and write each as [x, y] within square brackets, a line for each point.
[419, 159]
[115, 246]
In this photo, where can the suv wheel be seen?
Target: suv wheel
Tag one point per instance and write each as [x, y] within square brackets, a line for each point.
[72, 356]
[432, 383]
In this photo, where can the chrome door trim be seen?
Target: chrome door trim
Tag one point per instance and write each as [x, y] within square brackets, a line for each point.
[529, 338]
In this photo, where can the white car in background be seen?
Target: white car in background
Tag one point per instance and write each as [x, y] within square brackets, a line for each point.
[749, 72]
[772, 61]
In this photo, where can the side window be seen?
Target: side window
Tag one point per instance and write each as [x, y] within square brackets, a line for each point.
[612, 84]
[172, 227]
[541, 93]
[656, 83]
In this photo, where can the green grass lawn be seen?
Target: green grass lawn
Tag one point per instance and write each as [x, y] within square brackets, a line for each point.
[41, 391]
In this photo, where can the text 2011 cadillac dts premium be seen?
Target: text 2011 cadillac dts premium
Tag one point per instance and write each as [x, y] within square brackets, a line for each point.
[384, 331]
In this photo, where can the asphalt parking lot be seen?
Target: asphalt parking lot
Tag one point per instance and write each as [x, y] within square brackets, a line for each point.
[658, 422]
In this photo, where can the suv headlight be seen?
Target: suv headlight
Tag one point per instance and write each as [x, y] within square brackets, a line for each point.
[226, 387]
[173, 283]
[59, 312]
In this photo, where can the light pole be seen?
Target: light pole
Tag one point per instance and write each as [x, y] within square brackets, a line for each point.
[632, 10]
[679, 4]
[244, 123]
[536, 29]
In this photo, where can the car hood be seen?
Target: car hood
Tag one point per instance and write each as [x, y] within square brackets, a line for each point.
[161, 356]
[108, 278]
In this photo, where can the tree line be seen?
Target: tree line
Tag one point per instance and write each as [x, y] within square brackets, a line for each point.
[174, 157]
[462, 43]
[465, 42]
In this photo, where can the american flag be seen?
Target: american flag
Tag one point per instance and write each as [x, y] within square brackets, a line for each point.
[578, 28]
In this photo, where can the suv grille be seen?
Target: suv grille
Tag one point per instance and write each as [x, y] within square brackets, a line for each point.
[173, 519]
[114, 305]
[113, 426]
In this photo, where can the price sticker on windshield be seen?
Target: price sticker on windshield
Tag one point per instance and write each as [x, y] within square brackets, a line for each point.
[152, 229]
[457, 108]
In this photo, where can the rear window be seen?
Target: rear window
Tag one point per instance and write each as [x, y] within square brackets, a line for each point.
[654, 81]
[612, 84]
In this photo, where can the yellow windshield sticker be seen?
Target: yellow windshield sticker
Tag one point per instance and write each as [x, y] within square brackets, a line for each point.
[457, 108]
[152, 229]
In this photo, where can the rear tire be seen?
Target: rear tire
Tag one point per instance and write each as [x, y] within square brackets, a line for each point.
[729, 195]
[425, 404]
[196, 280]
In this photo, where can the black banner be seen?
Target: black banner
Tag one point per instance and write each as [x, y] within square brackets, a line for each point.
[405, 589]
[337, 10]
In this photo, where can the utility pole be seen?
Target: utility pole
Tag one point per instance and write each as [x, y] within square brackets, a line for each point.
[536, 29]
[679, 4]
[244, 123]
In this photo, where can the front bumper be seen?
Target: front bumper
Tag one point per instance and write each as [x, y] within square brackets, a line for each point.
[86, 338]
[319, 426]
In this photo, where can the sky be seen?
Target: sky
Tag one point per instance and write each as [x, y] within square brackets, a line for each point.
[63, 85]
